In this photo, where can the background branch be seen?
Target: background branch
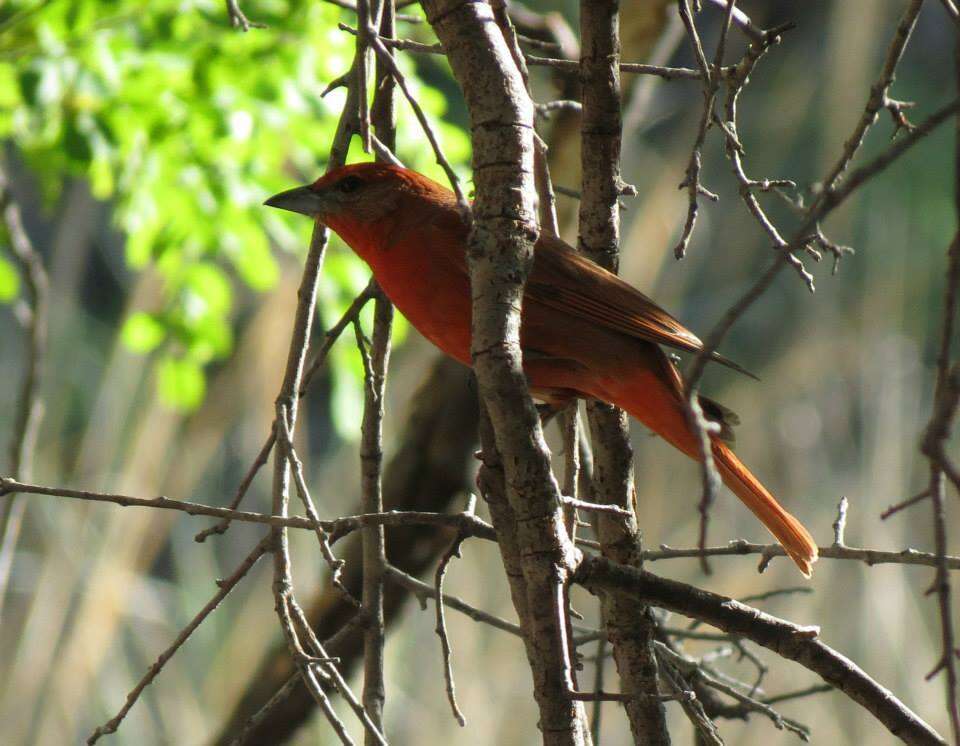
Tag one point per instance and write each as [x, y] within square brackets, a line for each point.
[629, 625]
[29, 406]
[788, 640]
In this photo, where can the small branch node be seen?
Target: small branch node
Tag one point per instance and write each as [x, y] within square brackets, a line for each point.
[840, 524]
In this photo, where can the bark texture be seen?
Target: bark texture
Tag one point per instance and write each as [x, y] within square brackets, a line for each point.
[629, 623]
[500, 252]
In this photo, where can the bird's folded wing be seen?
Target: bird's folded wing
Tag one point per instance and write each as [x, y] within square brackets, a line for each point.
[566, 280]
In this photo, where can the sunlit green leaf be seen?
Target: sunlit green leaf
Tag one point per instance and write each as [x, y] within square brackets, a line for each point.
[210, 339]
[180, 383]
[9, 281]
[142, 332]
[208, 285]
[184, 125]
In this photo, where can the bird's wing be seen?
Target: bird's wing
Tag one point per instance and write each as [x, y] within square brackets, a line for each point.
[566, 280]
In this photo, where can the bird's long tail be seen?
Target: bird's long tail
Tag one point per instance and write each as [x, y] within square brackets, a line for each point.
[791, 534]
[652, 398]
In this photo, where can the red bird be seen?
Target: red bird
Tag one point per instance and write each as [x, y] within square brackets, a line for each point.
[584, 331]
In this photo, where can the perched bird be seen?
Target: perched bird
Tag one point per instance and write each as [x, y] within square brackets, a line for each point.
[584, 331]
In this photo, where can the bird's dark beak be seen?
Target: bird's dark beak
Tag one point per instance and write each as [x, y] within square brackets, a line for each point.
[301, 199]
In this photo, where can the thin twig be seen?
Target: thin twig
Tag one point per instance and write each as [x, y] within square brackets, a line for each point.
[596, 507]
[868, 556]
[569, 423]
[441, 627]
[335, 565]
[878, 93]
[226, 586]
[897, 507]
[373, 546]
[743, 22]
[238, 19]
[599, 696]
[693, 708]
[748, 186]
[840, 525]
[365, 24]
[333, 333]
[384, 54]
[328, 668]
[693, 668]
[691, 181]
[546, 109]
[336, 528]
[423, 591]
[29, 406]
[634, 68]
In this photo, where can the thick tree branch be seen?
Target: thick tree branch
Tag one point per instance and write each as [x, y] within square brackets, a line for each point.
[800, 644]
[629, 623]
[499, 255]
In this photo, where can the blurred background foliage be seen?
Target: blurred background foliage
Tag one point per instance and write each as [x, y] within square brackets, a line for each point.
[184, 127]
[141, 139]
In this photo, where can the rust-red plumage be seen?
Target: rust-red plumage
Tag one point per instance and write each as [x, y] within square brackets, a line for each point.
[584, 331]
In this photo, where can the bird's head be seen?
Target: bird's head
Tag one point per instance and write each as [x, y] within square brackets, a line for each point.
[356, 195]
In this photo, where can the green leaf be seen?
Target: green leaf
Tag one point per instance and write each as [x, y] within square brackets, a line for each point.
[210, 284]
[142, 332]
[75, 142]
[29, 80]
[180, 383]
[185, 125]
[9, 281]
[210, 339]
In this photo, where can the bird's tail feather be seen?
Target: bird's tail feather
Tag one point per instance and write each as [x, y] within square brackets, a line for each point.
[791, 534]
[654, 399]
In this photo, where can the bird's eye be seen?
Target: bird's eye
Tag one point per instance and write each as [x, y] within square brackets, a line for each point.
[350, 184]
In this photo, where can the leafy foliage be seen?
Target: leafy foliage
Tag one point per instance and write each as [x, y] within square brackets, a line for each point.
[186, 125]
[9, 281]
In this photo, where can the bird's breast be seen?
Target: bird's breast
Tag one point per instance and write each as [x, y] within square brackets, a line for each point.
[430, 293]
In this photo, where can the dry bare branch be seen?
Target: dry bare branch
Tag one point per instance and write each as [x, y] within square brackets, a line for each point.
[226, 586]
[336, 528]
[800, 644]
[28, 410]
[768, 551]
